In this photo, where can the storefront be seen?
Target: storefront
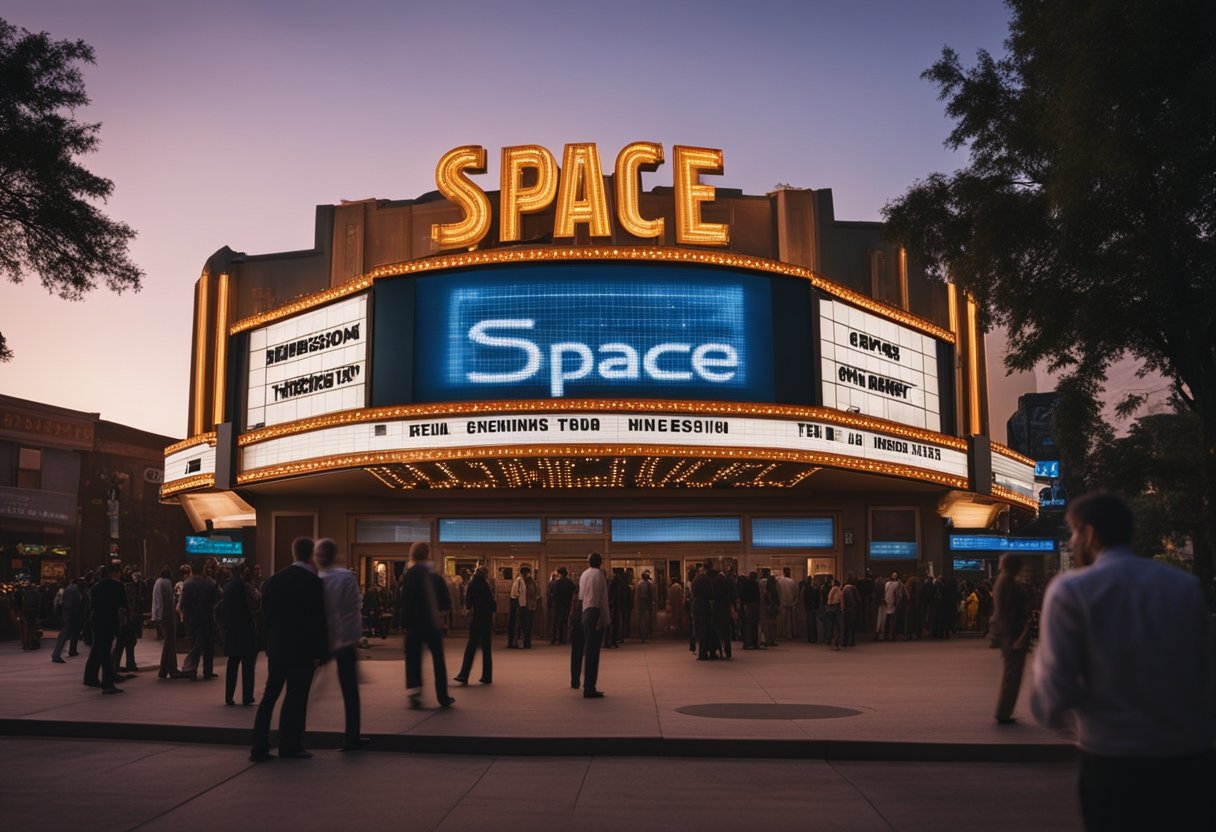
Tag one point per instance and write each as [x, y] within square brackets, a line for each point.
[736, 377]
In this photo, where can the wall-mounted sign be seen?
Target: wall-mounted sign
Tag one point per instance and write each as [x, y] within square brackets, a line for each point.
[1047, 469]
[996, 543]
[597, 332]
[577, 192]
[199, 545]
[307, 365]
[608, 429]
[41, 506]
[59, 431]
[877, 367]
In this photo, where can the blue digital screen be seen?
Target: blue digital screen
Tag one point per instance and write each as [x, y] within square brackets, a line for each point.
[595, 330]
[490, 530]
[676, 529]
[793, 532]
[994, 543]
[1050, 470]
[968, 565]
[893, 549]
[199, 545]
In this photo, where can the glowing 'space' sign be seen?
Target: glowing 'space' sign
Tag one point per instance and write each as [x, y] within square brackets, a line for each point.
[537, 333]
[578, 191]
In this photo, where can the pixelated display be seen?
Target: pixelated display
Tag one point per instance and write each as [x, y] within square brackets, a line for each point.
[792, 532]
[593, 331]
[490, 530]
[676, 529]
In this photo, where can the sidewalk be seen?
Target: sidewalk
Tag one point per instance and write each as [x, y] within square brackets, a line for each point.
[879, 701]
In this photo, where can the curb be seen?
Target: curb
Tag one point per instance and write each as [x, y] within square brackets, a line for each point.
[827, 750]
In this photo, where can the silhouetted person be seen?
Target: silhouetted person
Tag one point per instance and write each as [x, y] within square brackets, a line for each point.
[1125, 659]
[561, 594]
[1011, 621]
[199, 598]
[422, 618]
[344, 623]
[297, 642]
[70, 607]
[479, 600]
[240, 637]
[108, 605]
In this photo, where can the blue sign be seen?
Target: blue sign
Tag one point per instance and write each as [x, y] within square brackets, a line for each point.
[676, 529]
[199, 545]
[1048, 470]
[994, 543]
[490, 530]
[893, 549]
[968, 565]
[593, 331]
[793, 532]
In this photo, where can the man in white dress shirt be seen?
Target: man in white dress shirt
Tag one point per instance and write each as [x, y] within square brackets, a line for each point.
[593, 595]
[344, 617]
[1126, 660]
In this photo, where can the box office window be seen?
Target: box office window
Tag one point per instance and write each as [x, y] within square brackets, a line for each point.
[490, 530]
[793, 532]
[677, 529]
[392, 530]
[894, 534]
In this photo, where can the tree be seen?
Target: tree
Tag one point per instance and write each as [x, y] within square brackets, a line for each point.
[1085, 219]
[50, 225]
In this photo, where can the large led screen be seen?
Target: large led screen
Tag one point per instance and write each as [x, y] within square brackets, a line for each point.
[592, 331]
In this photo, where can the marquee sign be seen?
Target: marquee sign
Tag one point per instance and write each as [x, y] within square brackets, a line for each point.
[587, 429]
[878, 367]
[308, 365]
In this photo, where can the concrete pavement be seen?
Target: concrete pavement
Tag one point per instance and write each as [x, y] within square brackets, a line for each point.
[926, 700]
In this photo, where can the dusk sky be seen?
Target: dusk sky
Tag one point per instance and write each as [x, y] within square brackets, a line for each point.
[227, 123]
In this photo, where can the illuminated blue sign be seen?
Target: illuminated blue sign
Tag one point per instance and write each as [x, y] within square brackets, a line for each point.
[676, 529]
[1049, 470]
[595, 331]
[793, 532]
[993, 543]
[968, 565]
[893, 549]
[199, 545]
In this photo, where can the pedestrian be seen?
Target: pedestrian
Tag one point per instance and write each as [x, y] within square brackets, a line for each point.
[1125, 660]
[723, 608]
[422, 616]
[810, 601]
[108, 603]
[164, 613]
[1011, 626]
[480, 604]
[529, 601]
[132, 631]
[31, 610]
[240, 636]
[675, 606]
[344, 624]
[702, 591]
[69, 607]
[593, 595]
[518, 587]
[831, 616]
[770, 607]
[200, 596]
[787, 590]
[749, 597]
[561, 593]
[850, 612]
[297, 643]
[643, 597]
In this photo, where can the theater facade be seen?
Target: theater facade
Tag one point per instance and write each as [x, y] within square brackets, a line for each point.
[570, 362]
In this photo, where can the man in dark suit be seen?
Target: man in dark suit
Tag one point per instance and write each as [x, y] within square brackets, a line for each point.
[297, 642]
[561, 593]
[421, 608]
[108, 602]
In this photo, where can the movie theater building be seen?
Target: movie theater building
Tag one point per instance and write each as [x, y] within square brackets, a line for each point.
[562, 361]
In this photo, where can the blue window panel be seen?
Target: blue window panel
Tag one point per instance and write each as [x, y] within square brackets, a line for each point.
[968, 565]
[994, 543]
[793, 532]
[893, 549]
[490, 530]
[677, 529]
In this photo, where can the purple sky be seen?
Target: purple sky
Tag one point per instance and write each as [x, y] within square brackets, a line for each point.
[227, 123]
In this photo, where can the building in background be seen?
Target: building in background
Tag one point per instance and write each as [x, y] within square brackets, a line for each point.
[76, 489]
[661, 376]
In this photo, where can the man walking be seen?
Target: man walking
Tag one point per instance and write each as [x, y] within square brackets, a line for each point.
[164, 613]
[297, 642]
[421, 617]
[344, 623]
[561, 593]
[1011, 622]
[529, 600]
[108, 602]
[1126, 660]
[787, 590]
[479, 600]
[593, 595]
[199, 598]
[70, 608]
[644, 603]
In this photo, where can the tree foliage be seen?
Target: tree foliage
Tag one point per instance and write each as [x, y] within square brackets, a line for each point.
[1085, 219]
[50, 225]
